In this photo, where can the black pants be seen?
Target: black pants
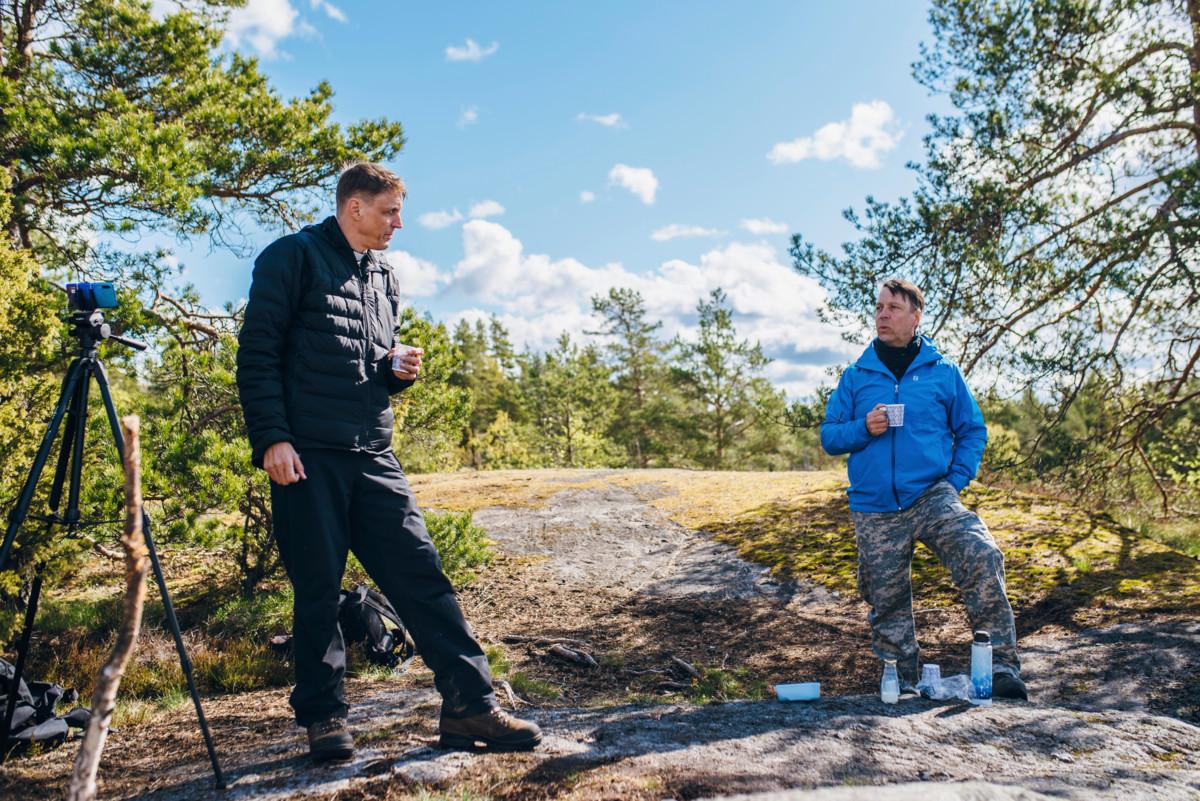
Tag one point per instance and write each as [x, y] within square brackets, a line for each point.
[361, 502]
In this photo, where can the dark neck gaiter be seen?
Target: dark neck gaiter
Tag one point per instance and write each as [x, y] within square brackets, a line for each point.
[898, 359]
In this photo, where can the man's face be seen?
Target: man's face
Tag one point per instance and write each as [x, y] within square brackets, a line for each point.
[373, 220]
[895, 319]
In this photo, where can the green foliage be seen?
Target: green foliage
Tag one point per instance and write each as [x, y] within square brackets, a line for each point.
[117, 121]
[256, 618]
[646, 407]
[721, 378]
[570, 401]
[462, 545]
[526, 686]
[725, 684]
[124, 121]
[1055, 231]
[431, 414]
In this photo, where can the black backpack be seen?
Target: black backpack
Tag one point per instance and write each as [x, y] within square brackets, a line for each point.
[34, 719]
[366, 616]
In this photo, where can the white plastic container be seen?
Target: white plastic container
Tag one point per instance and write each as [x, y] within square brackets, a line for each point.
[889, 685]
[803, 691]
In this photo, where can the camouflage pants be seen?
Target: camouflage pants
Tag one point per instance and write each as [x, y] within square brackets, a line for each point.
[962, 543]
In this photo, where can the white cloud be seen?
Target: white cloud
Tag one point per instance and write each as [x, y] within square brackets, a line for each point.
[331, 11]
[537, 298]
[638, 180]
[417, 277]
[261, 24]
[468, 116]
[471, 51]
[859, 140]
[439, 219]
[675, 231]
[487, 208]
[764, 225]
[586, 197]
[607, 120]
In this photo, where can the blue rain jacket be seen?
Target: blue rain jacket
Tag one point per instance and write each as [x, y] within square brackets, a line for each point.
[943, 435]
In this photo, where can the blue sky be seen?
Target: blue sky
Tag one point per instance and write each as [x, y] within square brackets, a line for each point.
[556, 149]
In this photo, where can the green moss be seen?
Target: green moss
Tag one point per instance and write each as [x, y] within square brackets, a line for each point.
[1056, 555]
[525, 685]
[725, 684]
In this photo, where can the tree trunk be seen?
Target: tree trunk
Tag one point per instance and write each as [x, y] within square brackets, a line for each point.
[83, 778]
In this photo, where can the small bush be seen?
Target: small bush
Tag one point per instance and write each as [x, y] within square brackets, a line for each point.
[240, 666]
[257, 618]
[462, 544]
[78, 614]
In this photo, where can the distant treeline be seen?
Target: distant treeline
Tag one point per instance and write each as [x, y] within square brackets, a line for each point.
[635, 399]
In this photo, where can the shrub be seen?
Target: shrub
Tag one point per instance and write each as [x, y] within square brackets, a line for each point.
[462, 544]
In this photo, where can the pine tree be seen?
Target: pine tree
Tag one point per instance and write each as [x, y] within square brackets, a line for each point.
[721, 376]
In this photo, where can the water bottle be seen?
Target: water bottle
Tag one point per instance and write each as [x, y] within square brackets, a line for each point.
[889, 685]
[981, 669]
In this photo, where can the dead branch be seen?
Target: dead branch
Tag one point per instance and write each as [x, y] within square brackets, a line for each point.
[571, 655]
[544, 641]
[513, 699]
[673, 686]
[83, 777]
[686, 667]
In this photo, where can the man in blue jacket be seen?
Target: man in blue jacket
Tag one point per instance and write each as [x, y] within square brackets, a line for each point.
[905, 477]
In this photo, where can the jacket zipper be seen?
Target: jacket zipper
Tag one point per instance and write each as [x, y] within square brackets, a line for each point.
[895, 493]
[363, 272]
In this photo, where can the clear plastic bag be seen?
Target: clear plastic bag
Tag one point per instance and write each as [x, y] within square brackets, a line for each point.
[957, 686]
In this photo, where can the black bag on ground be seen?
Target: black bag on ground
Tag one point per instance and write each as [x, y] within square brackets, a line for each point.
[34, 719]
[366, 616]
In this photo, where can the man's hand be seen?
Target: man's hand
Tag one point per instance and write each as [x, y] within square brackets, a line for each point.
[410, 363]
[282, 464]
[877, 420]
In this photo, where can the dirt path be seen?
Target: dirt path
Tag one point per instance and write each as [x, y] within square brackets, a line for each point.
[1112, 716]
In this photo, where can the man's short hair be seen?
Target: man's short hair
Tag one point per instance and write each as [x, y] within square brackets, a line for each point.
[898, 286]
[367, 178]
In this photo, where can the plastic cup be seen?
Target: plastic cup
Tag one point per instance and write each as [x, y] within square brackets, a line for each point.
[401, 350]
[804, 691]
[895, 414]
[930, 674]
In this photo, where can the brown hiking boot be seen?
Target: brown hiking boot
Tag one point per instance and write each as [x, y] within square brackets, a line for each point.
[330, 739]
[495, 729]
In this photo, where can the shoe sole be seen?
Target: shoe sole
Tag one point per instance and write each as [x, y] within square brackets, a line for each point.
[331, 755]
[463, 742]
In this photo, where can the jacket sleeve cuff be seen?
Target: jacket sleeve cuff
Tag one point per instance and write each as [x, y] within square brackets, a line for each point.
[396, 384]
[958, 481]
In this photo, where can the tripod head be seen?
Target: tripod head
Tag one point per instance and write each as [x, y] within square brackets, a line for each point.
[90, 329]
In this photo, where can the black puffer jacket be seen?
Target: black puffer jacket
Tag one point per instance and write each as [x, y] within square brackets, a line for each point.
[312, 366]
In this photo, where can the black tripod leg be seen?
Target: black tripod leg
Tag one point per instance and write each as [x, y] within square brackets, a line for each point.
[22, 651]
[21, 510]
[184, 662]
[66, 397]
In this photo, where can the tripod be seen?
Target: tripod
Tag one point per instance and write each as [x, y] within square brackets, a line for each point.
[89, 329]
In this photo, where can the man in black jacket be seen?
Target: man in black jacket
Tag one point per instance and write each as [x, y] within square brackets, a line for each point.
[315, 374]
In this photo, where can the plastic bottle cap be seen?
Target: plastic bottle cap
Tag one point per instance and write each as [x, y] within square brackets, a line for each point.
[983, 637]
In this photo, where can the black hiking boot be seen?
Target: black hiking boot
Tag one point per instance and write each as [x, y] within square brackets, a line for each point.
[330, 739]
[1010, 686]
[494, 729]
